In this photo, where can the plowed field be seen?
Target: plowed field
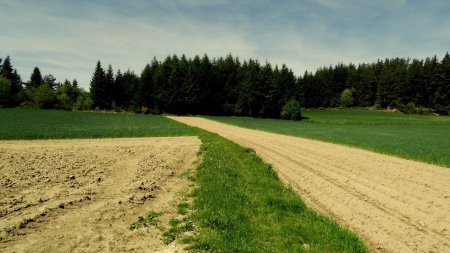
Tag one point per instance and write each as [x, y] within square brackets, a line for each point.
[395, 205]
[82, 195]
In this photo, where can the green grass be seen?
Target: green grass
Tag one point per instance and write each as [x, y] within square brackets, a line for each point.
[241, 206]
[239, 203]
[423, 138]
[19, 123]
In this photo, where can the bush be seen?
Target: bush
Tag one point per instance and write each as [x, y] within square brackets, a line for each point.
[84, 101]
[42, 96]
[291, 110]
[409, 108]
[347, 97]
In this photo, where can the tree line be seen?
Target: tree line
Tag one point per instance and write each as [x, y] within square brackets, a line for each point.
[408, 85]
[40, 91]
[229, 86]
[178, 85]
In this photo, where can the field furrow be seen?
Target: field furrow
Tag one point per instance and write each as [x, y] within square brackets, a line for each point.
[83, 195]
[395, 205]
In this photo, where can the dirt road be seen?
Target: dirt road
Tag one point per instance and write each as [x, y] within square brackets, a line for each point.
[82, 195]
[395, 205]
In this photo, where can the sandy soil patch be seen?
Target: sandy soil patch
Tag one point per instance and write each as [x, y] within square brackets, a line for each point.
[395, 205]
[82, 195]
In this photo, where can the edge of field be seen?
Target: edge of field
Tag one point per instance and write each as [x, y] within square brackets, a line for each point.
[239, 202]
[373, 147]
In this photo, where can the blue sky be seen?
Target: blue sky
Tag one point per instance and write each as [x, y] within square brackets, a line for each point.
[66, 38]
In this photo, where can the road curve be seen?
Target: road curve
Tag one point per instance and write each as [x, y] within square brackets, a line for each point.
[395, 205]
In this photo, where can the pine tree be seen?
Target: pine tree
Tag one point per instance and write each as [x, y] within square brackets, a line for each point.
[98, 88]
[50, 80]
[35, 79]
[118, 94]
[442, 99]
[7, 69]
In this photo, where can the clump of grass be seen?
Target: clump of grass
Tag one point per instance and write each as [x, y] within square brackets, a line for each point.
[146, 221]
[183, 208]
[188, 174]
[177, 228]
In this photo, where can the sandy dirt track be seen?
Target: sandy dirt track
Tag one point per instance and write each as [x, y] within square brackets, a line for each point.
[82, 195]
[395, 205]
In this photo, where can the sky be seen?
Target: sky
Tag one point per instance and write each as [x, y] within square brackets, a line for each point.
[66, 38]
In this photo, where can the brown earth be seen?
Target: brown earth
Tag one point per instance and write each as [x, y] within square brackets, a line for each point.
[83, 195]
[395, 205]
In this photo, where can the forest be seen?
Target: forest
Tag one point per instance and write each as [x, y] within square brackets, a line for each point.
[229, 86]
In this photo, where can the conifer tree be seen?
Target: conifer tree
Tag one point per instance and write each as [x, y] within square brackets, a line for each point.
[35, 79]
[98, 89]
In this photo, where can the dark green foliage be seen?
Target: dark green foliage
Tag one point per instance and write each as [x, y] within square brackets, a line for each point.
[67, 95]
[291, 110]
[35, 79]
[42, 96]
[99, 90]
[227, 86]
[179, 85]
[392, 83]
[5, 90]
[7, 71]
[50, 80]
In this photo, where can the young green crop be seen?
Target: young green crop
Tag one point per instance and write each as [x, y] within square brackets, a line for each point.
[423, 138]
[53, 124]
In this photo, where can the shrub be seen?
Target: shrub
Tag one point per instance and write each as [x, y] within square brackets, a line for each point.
[42, 96]
[347, 97]
[409, 108]
[291, 110]
[84, 101]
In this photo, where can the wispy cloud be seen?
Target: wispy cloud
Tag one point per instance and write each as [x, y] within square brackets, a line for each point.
[66, 38]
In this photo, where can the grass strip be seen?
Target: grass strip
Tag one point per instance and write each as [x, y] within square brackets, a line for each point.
[241, 206]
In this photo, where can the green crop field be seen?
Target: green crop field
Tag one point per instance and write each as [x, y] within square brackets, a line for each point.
[52, 124]
[423, 138]
[239, 203]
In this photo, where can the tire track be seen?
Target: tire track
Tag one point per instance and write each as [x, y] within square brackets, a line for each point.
[395, 205]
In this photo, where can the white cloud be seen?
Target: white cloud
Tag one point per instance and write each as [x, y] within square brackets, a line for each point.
[66, 38]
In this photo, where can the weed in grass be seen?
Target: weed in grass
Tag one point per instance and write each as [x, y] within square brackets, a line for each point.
[177, 229]
[188, 174]
[183, 208]
[148, 220]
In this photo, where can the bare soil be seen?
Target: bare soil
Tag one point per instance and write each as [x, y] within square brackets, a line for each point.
[82, 195]
[395, 205]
